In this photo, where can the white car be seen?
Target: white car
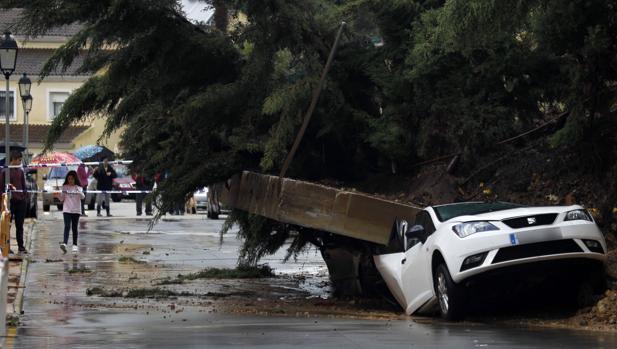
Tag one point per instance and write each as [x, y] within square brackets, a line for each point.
[201, 198]
[431, 261]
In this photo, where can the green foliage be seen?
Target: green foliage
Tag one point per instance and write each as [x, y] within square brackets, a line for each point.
[263, 236]
[412, 80]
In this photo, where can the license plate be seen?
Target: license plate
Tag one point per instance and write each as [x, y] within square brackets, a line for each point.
[513, 239]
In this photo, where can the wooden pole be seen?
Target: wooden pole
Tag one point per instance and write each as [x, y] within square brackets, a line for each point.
[309, 112]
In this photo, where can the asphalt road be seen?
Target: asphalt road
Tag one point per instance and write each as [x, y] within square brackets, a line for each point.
[59, 313]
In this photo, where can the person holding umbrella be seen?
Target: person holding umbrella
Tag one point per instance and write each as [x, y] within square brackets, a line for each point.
[104, 175]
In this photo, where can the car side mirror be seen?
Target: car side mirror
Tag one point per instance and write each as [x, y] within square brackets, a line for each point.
[416, 232]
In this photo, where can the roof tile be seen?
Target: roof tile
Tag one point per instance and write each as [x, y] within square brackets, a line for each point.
[38, 133]
[10, 17]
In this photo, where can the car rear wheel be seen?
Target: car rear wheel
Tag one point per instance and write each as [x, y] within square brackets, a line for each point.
[45, 208]
[116, 198]
[60, 207]
[450, 296]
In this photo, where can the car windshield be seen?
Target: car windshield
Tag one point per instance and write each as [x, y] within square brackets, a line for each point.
[121, 170]
[60, 172]
[447, 212]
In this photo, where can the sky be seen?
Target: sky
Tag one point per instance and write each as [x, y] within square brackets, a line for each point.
[196, 10]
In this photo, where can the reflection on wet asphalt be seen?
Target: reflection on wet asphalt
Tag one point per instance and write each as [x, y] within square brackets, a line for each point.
[58, 313]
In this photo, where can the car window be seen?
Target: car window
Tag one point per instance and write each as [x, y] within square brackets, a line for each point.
[60, 172]
[121, 171]
[424, 219]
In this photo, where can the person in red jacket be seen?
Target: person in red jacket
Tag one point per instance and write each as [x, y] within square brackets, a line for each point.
[142, 183]
[18, 197]
[83, 172]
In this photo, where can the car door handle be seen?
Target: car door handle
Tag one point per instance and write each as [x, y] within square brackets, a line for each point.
[404, 260]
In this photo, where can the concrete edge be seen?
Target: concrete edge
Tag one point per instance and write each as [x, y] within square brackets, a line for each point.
[23, 273]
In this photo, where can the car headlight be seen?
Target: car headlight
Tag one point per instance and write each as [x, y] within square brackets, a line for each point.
[469, 228]
[125, 185]
[578, 215]
[48, 188]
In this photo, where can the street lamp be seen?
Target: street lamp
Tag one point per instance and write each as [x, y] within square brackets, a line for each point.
[26, 98]
[8, 59]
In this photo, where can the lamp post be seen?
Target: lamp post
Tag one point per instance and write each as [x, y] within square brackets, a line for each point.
[26, 98]
[8, 59]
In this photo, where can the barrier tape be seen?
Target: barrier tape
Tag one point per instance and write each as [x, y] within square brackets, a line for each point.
[88, 191]
[67, 164]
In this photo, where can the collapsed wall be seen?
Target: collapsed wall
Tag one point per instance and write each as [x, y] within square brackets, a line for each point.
[351, 215]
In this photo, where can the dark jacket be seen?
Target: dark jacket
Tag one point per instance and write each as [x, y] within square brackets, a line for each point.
[103, 181]
[18, 179]
[142, 182]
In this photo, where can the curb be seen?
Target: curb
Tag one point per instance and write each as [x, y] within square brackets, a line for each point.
[23, 273]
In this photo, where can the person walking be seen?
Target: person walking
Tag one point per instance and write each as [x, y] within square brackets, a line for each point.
[71, 196]
[18, 196]
[104, 175]
[142, 183]
[83, 172]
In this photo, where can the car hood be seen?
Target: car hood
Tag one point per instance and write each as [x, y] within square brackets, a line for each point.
[515, 212]
[123, 180]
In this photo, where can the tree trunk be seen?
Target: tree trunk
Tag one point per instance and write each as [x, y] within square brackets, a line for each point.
[221, 15]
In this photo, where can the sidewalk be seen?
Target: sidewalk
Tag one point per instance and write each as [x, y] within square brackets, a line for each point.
[18, 264]
[18, 269]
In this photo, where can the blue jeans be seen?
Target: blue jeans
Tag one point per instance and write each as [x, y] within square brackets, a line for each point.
[70, 220]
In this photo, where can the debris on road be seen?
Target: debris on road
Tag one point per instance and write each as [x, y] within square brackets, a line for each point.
[241, 272]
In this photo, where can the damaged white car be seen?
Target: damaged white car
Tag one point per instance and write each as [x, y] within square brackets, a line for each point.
[431, 262]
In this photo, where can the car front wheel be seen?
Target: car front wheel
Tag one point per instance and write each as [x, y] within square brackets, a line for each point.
[451, 297]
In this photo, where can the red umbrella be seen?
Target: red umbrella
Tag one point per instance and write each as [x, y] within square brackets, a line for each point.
[52, 158]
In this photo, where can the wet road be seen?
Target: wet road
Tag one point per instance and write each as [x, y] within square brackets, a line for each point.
[59, 313]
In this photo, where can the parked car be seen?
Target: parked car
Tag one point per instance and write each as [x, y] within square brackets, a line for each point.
[31, 198]
[124, 182]
[201, 198]
[53, 181]
[208, 199]
[435, 260]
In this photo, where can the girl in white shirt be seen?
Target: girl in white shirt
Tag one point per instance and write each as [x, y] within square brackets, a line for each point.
[71, 196]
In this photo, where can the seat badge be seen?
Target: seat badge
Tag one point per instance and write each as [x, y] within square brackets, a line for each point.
[513, 239]
[531, 220]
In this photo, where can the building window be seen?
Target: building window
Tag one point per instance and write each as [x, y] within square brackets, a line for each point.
[11, 106]
[56, 101]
